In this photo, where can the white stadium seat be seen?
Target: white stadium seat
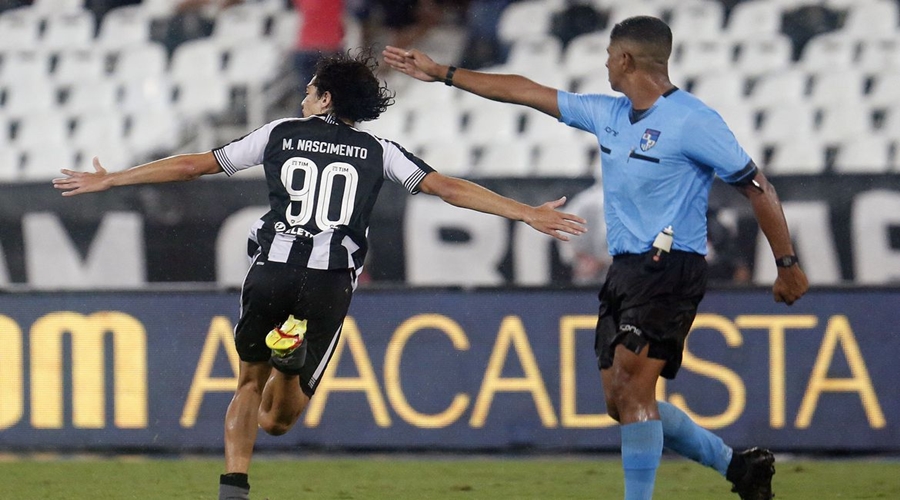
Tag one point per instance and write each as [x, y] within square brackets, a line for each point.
[492, 122]
[240, 23]
[122, 27]
[54, 7]
[79, 65]
[561, 159]
[797, 154]
[870, 20]
[838, 86]
[21, 29]
[23, 67]
[505, 159]
[885, 90]
[828, 52]
[197, 60]
[698, 20]
[10, 161]
[863, 154]
[253, 63]
[845, 119]
[525, 18]
[42, 163]
[69, 31]
[449, 157]
[754, 19]
[782, 87]
[95, 129]
[758, 56]
[136, 63]
[535, 55]
[702, 57]
[48, 130]
[878, 56]
[787, 122]
[87, 97]
[586, 55]
[26, 98]
[201, 98]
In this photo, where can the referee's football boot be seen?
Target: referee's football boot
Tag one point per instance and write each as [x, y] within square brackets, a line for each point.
[288, 344]
[751, 471]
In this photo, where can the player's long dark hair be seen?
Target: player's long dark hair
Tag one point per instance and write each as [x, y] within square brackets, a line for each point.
[356, 93]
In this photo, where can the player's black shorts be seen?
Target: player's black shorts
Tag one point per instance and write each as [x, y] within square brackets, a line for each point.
[272, 291]
[643, 306]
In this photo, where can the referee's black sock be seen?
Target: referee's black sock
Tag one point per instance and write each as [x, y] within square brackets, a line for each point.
[234, 486]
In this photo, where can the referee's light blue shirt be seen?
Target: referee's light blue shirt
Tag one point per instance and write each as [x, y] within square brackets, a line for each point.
[657, 171]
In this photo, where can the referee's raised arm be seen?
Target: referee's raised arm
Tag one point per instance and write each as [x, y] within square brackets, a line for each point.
[514, 89]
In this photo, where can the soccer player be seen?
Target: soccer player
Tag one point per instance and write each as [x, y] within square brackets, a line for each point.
[661, 148]
[324, 176]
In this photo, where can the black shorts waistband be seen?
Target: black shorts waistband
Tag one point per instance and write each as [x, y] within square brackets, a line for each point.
[624, 257]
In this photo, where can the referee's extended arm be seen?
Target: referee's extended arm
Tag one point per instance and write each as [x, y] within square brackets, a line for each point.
[514, 89]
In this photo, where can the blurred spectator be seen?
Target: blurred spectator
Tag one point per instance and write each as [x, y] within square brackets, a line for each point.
[577, 19]
[13, 4]
[588, 254]
[806, 22]
[321, 34]
[408, 21]
[193, 19]
[483, 45]
[723, 256]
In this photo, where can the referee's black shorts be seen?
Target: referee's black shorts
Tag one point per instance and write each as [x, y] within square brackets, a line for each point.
[645, 306]
[272, 291]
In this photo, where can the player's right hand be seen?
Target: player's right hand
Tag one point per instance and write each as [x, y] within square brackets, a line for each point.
[412, 62]
[82, 182]
[790, 285]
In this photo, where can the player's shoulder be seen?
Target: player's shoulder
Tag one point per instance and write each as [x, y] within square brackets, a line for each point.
[691, 107]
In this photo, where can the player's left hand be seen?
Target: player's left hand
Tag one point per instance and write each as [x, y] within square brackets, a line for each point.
[82, 182]
[548, 220]
[790, 285]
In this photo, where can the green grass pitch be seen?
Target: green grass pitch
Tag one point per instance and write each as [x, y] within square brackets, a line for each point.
[374, 477]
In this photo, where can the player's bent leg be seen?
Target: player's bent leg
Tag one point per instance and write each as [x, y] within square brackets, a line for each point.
[241, 429]
[683, 436]
[282, 403]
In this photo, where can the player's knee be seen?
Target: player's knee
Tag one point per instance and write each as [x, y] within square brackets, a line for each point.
[274, 427]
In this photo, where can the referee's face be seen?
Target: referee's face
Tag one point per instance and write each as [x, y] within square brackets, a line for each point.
[614, 60]
[314, 104]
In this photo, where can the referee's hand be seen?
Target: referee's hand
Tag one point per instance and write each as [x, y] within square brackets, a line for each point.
[413, 63]
[790, 285]
[548, 220]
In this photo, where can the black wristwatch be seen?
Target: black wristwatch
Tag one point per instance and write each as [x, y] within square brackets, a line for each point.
[786, 261]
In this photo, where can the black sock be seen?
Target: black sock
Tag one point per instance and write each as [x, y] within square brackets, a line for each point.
[236, 479]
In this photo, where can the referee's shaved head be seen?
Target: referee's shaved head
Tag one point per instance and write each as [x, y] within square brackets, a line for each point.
[649, 36]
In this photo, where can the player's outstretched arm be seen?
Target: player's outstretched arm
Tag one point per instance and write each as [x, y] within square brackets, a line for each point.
[544, 218]
[174, 168]
[791, 282]
[514, 89]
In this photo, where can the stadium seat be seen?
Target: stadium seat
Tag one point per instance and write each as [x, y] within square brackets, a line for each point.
[787, 122]
[698, 20]
[197, 60]
[716, 88]
[586, 55]
[764, 54]
[48, 130]
[240, 23]
[42, 163]
[526, 18]
[93, 130]
[535, 55]
[158, 9]
[829, 52]
[149, 94]
[197, 99]
[561, 159]
[88, 97]
[22, 99]
[285, 27]
[136, 63]
[55, 7]
[438, 121]
[623, 10]
[872, 20]
[21, 29]
[69, 31]
[751, 20]
[844, 119]
[152, 131]
[392, 124]
[449, 157]
[420, 94]
[863, 154]
[10, 161]
[113, 155]
[253, 63]
[782, 87]
[885, 90]
[79, 65]
[838, 86]
[703, 57]
[797, 154]
[23, 67]
[492, 122]
[511, 158]
[876, 56]
[123, 27]
[597, 83]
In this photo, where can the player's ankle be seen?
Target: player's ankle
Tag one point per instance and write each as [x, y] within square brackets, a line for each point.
[234, 486]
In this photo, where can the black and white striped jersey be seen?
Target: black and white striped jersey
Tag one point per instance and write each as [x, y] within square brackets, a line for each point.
[323, 177]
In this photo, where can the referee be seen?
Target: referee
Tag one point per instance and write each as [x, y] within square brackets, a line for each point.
[661, 148]
[324, 176]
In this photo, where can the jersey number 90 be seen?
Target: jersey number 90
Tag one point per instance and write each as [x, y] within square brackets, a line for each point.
[333, 205]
